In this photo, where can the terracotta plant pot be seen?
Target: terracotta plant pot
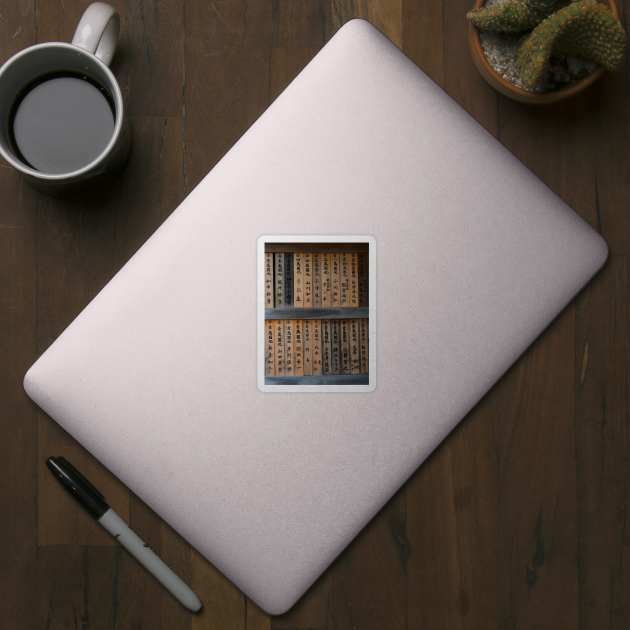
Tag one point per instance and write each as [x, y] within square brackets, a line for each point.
[519, 94]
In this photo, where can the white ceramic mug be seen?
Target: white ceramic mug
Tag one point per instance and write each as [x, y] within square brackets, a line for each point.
[88, 57]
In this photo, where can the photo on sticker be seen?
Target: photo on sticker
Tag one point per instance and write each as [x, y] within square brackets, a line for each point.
[316, 313]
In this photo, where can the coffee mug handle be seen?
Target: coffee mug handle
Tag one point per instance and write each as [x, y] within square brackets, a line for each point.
[98, 31]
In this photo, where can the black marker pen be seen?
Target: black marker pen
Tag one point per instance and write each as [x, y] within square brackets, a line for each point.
[94, 502]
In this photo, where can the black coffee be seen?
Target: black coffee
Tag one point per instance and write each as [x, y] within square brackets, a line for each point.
[61, 123]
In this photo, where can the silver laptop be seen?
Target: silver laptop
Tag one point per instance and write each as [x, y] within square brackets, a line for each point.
[163, 376]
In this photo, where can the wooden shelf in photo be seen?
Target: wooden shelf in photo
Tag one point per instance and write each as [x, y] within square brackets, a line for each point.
[322, 379]
[360, 312]
[363, 248]
[316, 310]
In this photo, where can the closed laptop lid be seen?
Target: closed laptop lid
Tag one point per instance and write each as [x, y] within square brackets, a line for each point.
[162, 378]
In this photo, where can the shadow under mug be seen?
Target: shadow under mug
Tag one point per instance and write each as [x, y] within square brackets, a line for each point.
[88, 56]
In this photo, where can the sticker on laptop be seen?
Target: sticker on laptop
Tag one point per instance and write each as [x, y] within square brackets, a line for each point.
[316, 313]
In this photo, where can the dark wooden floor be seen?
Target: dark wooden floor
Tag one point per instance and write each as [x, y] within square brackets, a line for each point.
[518, 520]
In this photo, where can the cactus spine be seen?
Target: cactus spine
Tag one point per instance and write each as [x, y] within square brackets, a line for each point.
[584, 29]
[513, 16]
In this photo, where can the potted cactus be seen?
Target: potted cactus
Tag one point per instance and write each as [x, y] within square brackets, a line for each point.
[558, 49]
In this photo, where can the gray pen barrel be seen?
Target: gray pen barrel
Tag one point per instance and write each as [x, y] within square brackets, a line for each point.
[149, 559]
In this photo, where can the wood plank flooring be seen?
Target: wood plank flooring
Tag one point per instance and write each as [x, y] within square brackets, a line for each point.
[518, 520]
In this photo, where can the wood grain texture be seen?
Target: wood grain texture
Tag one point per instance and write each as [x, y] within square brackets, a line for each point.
[602, 380]
[423, 30]
[307, 330]
[225, 607]
[300, 23]
[355, 347]
[354, 281]
[298, 280]
[335, 346]
[519, 519]
[560, 149]
[364, 332]
[308, 280]
[326, 346]
[77, 587]
[537, 502]
[326, 280]
[289, 347]
[289, 281]
[369, 585]
[344, 280]
[313, 610]
[57, 22]
[279, 267]
[284, 65]
[17, 28]
[461, 79]
[75, 239]
[151, 605]
[18, 415]
[270, 357]
[344, 334]
[452, 527]
[154, 57]
[74, 255]
[317, 346]
[317, 281]
[60, 520]
[335, 288]
[299, 348]
[152, 185]
[269, 285]
[386, 15]
[226, 84]
[576, 148]
[279, 330]
[609, 134]
[364, 280]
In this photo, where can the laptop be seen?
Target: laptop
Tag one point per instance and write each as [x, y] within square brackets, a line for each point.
[469, 258]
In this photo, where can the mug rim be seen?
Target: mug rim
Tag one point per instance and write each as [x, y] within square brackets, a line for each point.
[118, 122]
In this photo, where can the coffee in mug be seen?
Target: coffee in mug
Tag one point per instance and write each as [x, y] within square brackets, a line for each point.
[61, 122]
[65, 128]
